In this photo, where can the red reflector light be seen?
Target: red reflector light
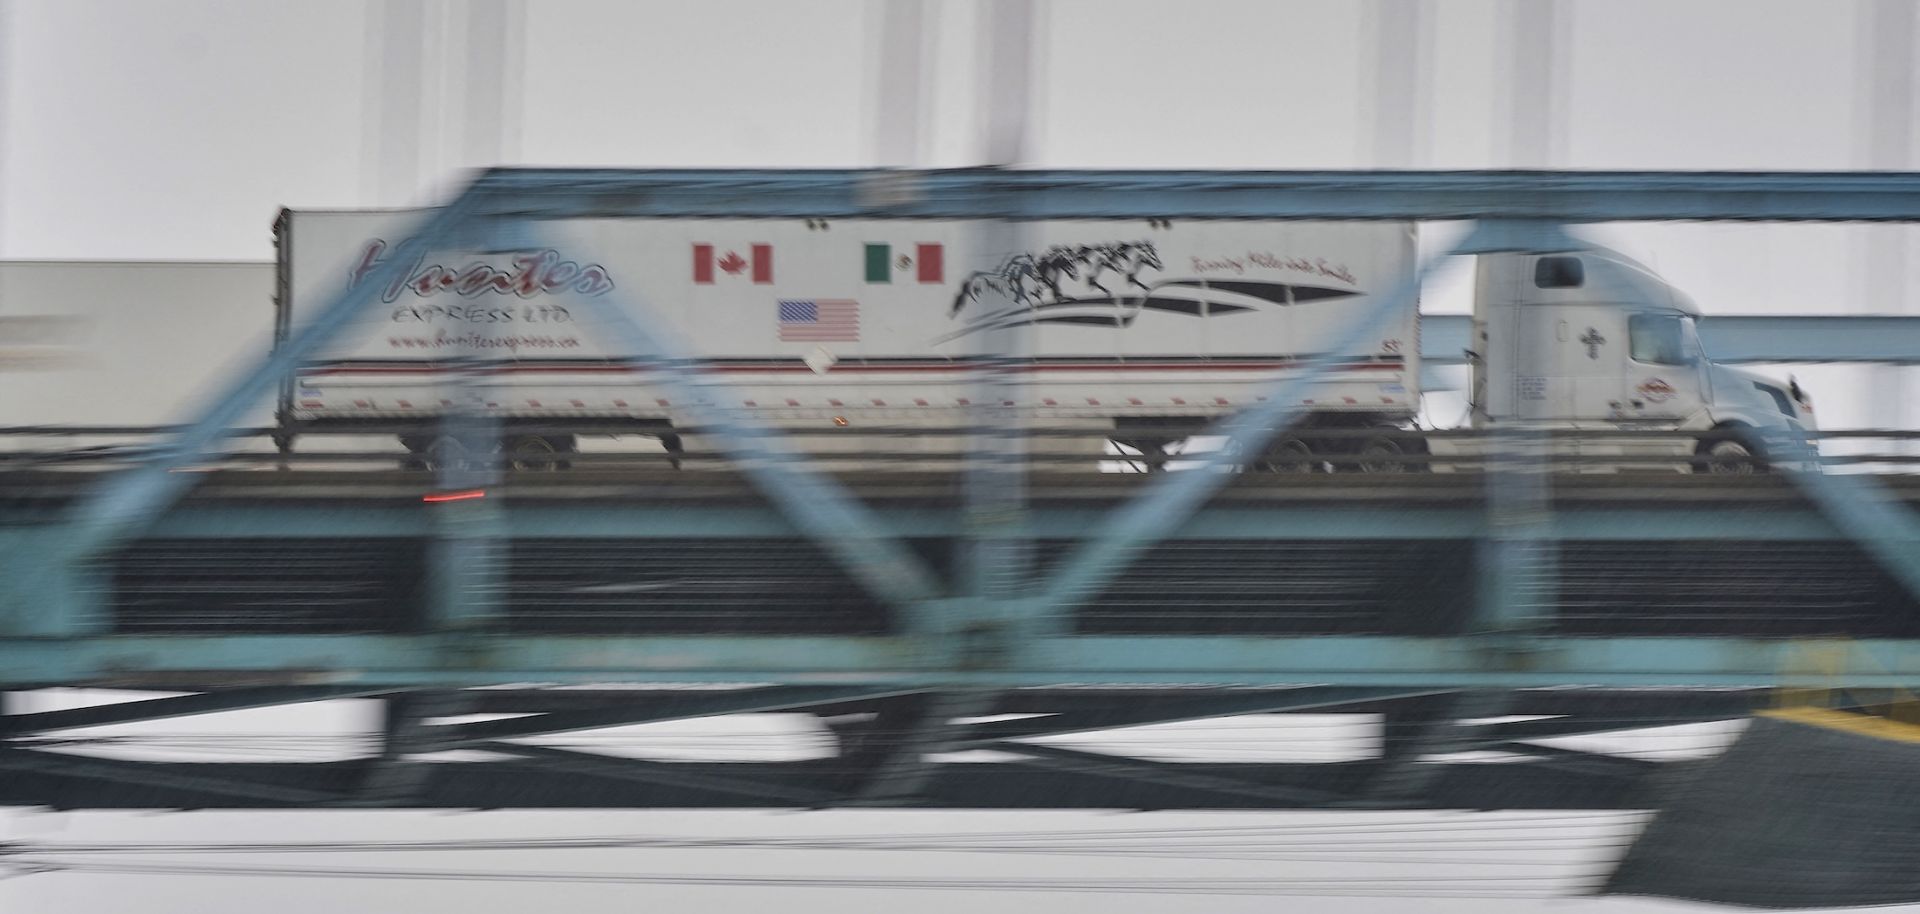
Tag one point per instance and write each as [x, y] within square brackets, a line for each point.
[468, 495]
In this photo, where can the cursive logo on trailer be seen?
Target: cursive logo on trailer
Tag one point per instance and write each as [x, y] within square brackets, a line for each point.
[1110, 284]
[528, 274]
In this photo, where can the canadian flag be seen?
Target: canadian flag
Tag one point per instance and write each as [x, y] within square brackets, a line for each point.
[758, 261]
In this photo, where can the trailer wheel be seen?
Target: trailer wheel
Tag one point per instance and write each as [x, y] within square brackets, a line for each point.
[1725, 455]
[1290, 456]
[536, 453]
[1381, 455]
[432, 452]
[446, 451]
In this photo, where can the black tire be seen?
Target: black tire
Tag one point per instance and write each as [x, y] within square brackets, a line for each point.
[538, 453]
[1380, 455]
[429, 452]
[1729, 453]
[1290, 456]
[443, 450]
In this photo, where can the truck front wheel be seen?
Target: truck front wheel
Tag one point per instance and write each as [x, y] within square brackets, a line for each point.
[1727, 456]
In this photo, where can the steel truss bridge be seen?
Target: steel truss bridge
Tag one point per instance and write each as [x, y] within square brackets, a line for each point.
[922, 609]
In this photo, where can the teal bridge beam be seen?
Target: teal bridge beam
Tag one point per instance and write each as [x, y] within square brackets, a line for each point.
[1597, 196]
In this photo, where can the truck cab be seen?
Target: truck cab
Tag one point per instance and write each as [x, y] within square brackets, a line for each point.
[1591, 340]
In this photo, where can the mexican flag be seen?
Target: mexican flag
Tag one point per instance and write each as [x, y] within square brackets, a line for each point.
[928, 261]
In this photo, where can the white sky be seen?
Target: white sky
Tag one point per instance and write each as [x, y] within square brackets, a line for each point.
[173, 129]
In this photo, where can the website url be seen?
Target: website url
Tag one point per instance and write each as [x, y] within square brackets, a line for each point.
[478, 341]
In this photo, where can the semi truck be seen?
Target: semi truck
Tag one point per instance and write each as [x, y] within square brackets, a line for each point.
[1145, 330]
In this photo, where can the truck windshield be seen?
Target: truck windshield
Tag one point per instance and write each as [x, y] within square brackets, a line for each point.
[1659, 339]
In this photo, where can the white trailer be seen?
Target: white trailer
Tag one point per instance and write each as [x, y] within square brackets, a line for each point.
[854, 322]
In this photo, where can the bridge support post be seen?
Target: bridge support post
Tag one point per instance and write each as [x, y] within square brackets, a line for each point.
[996, 566]
[465, 559]
[463, 567]
[1517, 558]
[1517, 577]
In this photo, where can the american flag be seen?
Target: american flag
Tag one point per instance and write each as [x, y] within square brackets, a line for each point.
[820, 320]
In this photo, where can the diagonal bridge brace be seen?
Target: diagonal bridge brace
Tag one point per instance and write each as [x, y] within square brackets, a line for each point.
[127, 504]
[1170, 501]
[686, 706]
[661, 774]
[811, 501]
[15, 725]
[1134, 713]
[1171, 774]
